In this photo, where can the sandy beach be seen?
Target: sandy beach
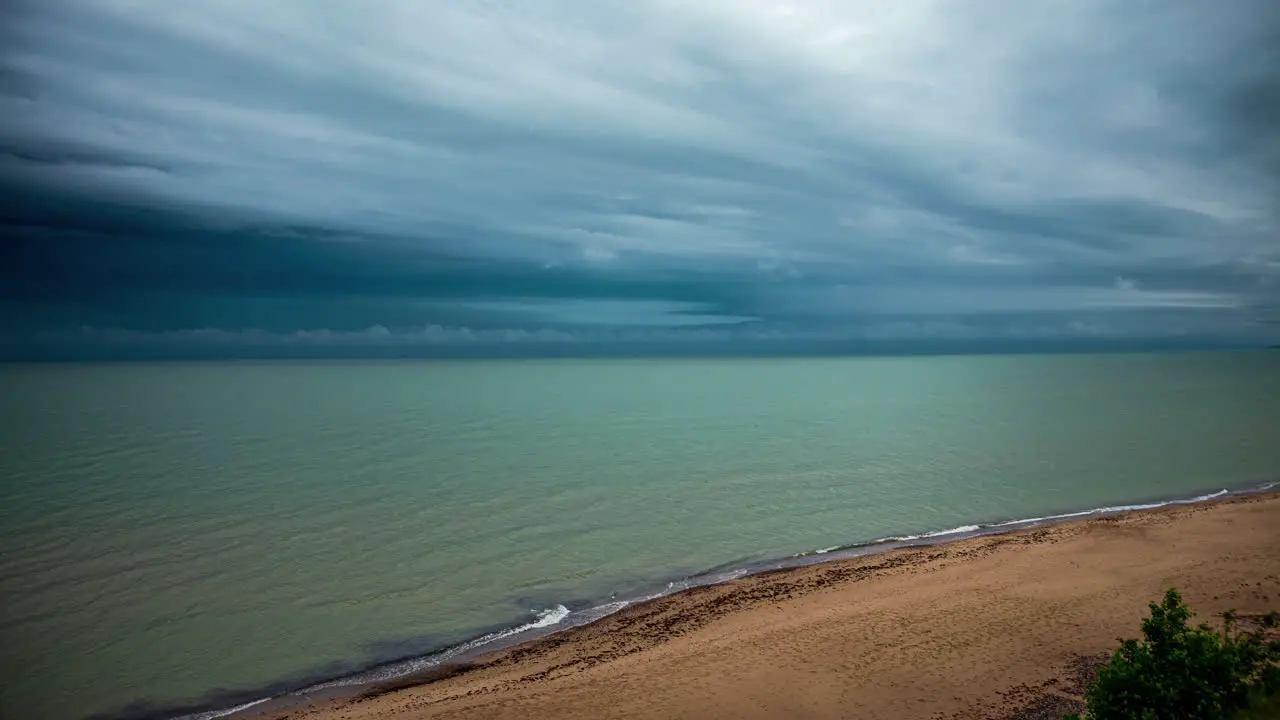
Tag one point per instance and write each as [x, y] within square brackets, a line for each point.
[1004, 626]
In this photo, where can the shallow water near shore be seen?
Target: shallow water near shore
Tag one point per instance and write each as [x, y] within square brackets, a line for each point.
[173, 529]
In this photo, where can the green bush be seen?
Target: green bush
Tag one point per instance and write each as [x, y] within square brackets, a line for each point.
[1180, 672]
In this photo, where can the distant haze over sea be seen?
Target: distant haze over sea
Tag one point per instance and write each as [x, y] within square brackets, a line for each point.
[197, 347]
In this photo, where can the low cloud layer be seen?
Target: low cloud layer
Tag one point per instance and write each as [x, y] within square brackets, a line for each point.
[319, 173]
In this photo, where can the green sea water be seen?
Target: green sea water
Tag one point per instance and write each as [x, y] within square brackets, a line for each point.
[171, 529]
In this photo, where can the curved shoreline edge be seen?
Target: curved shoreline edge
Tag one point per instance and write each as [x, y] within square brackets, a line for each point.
[425, 669]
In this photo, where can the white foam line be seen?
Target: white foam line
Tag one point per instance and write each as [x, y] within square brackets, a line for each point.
[210, 715]
[952, 531]
[545, 618]
[1027, 521]
[1115, 509]
[933, 534]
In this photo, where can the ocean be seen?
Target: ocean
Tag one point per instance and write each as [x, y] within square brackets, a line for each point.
[186, 537]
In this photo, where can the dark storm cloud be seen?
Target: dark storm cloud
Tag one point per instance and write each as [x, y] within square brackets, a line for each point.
[320, 173]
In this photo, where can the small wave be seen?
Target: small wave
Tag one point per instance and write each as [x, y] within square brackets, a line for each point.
[546, 618]
[543, 619]
[1116, 509]
[211, 714]
[600, 611]
[952, 531]
[933, 534]
[1026, 521]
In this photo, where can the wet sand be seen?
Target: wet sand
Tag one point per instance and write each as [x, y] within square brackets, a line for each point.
[1004, 626]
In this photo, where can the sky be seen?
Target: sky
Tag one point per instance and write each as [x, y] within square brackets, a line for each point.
[234, 177]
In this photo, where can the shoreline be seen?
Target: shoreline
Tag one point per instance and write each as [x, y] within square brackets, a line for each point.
[420, 672]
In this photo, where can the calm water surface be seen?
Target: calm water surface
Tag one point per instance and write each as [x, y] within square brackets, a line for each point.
[171, 529]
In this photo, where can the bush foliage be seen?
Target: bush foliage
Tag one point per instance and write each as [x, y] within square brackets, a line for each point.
[1183, 672]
